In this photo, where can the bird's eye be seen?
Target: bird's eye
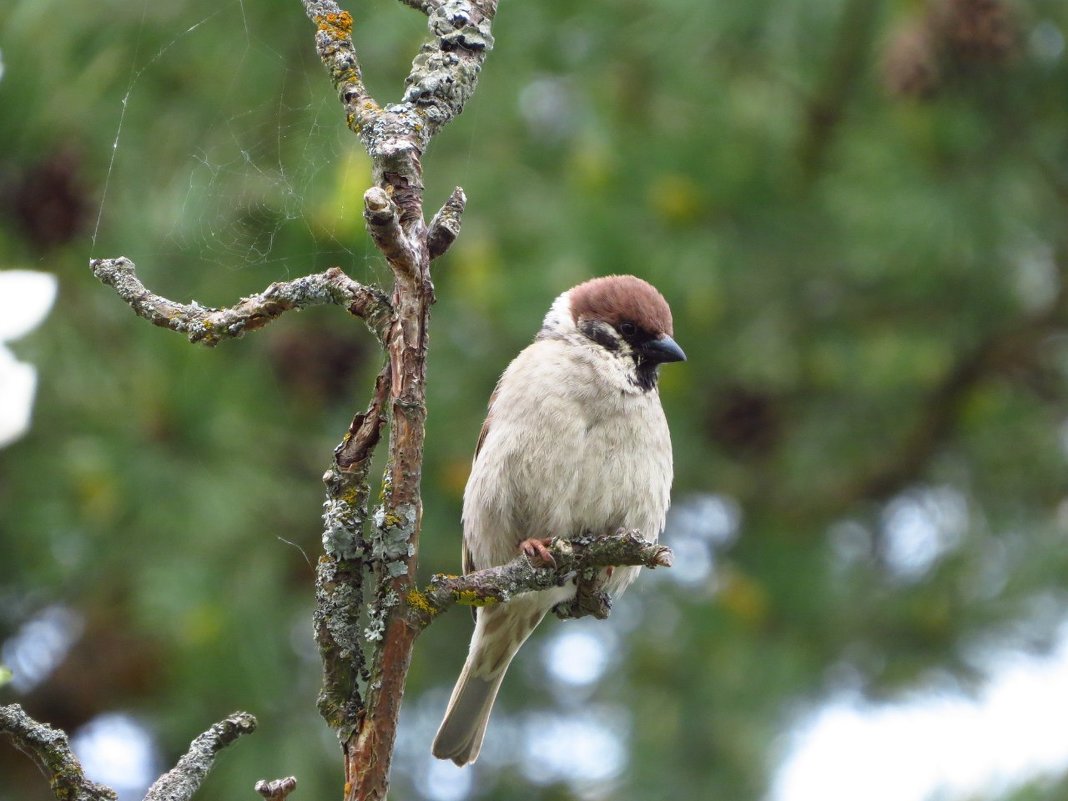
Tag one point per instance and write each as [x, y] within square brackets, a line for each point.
[628, 329]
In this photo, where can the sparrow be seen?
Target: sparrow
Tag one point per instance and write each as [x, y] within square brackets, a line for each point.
[575, 443]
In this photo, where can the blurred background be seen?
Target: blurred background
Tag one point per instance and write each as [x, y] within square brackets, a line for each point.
[857, 210]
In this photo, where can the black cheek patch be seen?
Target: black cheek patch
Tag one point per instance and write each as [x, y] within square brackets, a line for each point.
[597, 333]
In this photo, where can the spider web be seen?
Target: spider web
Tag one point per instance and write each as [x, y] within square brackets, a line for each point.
[266, 176]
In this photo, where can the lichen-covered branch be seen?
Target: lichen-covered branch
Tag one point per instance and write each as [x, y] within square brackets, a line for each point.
[210, 326]
[185, 778]
[445, 72]
[339, 576]
[443, 76]
[50, 749]
[333, 42]
[500, 584]
[363, 632]
[445, 226]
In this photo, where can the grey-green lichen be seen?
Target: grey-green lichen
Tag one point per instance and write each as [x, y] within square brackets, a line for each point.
[342, 529]
[391, 542]
[377, 613]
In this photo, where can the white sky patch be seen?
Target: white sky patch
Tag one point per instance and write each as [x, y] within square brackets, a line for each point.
[578, 749]
[921, 526]
[579, 654]
[26, 297]
[696, 527]
[40, 646]
[444, 781]
[947, 746]
[116, 750]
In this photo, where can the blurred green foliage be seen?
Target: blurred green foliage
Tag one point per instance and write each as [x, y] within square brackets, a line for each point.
[856, 209]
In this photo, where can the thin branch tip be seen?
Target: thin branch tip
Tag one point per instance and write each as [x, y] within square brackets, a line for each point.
[182, 781]
[664, 557]
[276, 790]
[445, 227]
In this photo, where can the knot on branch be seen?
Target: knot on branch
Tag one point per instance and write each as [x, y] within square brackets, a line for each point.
[383, 218]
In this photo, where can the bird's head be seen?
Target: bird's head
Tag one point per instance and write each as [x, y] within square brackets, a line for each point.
[623, 315]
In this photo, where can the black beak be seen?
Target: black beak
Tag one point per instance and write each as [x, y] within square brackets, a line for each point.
[663, 349]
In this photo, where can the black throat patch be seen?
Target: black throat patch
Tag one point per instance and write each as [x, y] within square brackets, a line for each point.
[646, 374]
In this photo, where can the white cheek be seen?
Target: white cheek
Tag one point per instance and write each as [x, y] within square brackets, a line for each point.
[558, 319]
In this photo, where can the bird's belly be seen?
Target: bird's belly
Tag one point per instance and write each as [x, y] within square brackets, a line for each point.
[603, 482]
[594, 475]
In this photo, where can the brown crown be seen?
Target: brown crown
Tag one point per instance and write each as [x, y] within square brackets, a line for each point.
[619, 298]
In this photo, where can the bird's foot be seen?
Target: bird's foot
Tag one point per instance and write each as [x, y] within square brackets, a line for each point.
[537, 551]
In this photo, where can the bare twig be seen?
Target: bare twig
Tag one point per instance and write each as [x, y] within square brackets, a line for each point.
[185, 778]
[445, 226]
[50, 749]
[211, 326]
[277, 790]
[500, 584]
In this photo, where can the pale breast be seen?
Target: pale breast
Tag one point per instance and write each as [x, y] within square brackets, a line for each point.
[566, 452]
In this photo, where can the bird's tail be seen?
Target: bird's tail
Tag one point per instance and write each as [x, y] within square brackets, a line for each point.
[460, 735]
[498, 634]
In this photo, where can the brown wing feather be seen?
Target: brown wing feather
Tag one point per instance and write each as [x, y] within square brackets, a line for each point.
[467, 563]
[486, 424]
[468, 566]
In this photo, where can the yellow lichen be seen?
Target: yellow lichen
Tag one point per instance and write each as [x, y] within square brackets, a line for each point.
[337, 25]
[418, 600]
[472, 598]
